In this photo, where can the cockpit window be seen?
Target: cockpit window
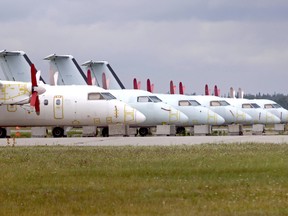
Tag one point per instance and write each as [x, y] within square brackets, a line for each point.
[184, 103]
[194, 103]
[100, 96]
[276, 106]
[247, 106]
[108, 96]
[268, 106]
[224, 103]
[255, 105]
[215, 103]
[155, 99]
[143, 99]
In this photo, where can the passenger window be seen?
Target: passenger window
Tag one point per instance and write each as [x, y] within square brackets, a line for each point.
[58, 102]
[45, 102]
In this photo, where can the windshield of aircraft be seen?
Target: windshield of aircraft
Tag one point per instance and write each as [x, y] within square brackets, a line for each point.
[154, 99]
[276, 105]
[100, 96]
[194, 103]
[255, 105]
[108, 96]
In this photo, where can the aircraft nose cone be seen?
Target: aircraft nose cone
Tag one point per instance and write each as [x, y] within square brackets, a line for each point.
[272, 119]
[219, 119]
[183, 118]
[239, 116]
[139, 117]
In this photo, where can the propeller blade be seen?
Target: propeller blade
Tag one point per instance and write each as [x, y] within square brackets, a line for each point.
[33, 99]
[37, 106]
[135, 84]
[33, 75]
[172, 87]
[181, 89]
[149, 85]
[89, 77]
[104, 81]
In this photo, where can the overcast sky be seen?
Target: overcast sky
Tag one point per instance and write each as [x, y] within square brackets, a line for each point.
[238, 43]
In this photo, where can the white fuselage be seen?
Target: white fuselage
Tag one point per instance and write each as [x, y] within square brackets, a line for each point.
[258, 114]
[155, 110]
[274, 108]
[197, 114]
[71, 106]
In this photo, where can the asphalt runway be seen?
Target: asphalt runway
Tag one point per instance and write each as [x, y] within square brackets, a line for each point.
[143, 141]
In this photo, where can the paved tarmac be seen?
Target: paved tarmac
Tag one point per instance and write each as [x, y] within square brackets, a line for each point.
[143, 141]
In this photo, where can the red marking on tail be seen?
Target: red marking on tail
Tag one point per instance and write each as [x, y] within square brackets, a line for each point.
[216, 91]
[149, 89]
[135, 85]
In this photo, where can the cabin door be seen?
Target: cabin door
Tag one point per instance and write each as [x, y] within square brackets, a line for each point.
[58, 107]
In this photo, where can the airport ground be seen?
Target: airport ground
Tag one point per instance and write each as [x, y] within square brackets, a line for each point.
[144, 141]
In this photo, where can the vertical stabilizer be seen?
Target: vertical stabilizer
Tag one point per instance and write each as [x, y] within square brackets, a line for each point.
[15, 66]
[98, 68]
[69, 71]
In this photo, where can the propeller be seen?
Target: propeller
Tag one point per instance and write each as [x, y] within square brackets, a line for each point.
[181, 88]
[207, 92]
[89, 77]
[172, 87]
[34, 101]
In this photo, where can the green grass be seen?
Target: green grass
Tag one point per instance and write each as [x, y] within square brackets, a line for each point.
[232, 179]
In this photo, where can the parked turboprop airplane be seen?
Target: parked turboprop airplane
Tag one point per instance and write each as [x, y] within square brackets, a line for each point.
[151, 106]
[62, 106]
[196, 115]
[259, 115]
[274, 108]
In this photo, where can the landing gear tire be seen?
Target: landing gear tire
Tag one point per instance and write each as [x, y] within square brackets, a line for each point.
[180, 130]
[3, 133]
[58, 132]
[105, 132]
[143, 131]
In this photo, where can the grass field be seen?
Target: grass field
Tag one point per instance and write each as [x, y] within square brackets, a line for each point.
[222, 179]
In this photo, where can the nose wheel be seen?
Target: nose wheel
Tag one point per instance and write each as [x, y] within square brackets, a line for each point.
[143, 131]
[3, 133]
[58, 132]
